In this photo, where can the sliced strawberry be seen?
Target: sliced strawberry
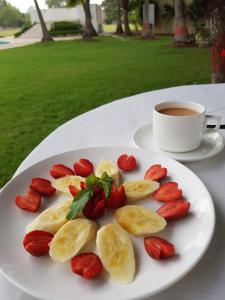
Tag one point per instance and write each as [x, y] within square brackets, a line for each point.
[87, 265]
[42, 186]
[95, 207]
[73, 190]
[83, 167]
[82, 185]
[29, 202]
[126, 162]
[158, 248]
[168, 192]
[174, 210]
[37, 242]
[117, 197]
[59, 170]
[155, 173]
[97, 190]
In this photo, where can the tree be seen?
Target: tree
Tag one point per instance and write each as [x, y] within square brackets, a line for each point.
[197, 13]
[10, 16]
[136, 13]
[125, 5]
[167, 13]
[119, 27]
[216, 11]
[146, 31]
[56, 3]
[2, 4]
[181, 34]
[110, 10]
[89, 30]
[46, 37]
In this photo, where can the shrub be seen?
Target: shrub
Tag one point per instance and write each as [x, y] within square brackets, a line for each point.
[168, 12]
[24, 29]
[64, 28]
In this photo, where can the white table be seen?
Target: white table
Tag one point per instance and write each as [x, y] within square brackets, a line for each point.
[113, 125]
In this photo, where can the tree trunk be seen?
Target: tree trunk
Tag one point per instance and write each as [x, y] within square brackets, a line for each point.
[146, 31]
[181, 32]
[218, 59]
[126, 17]
[46, 37]
[216, 9]
[119, 28]
[89, 30]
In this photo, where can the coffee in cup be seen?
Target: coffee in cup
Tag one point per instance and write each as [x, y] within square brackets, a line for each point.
[179, 126]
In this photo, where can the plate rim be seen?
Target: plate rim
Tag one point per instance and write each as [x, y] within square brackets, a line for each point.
[156, 291]
[190, 159]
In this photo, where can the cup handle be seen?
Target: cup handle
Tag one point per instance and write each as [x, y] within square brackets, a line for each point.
[212, 117]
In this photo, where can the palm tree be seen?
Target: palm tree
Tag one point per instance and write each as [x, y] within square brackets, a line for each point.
[119, 28]
[55, 3]
[89, 30]
[146, 31]
[216, 11]
[181, 34]
[46, 37]
[125, 5]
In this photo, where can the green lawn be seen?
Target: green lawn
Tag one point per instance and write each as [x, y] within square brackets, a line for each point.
[8, 32]
[44, 85]
[112, 27]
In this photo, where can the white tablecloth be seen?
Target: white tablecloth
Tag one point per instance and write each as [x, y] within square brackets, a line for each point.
[114, 125]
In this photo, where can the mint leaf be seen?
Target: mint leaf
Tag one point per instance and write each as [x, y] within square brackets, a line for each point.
[91, 181]
[106, 182]
[79, 203]
[107, 188]
[105, 177]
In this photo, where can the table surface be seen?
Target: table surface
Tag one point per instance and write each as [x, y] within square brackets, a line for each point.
[114, 125]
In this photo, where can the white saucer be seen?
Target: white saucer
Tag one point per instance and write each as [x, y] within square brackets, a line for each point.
[212, 144]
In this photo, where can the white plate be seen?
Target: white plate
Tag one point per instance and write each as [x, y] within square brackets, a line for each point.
[211, 145]
[44, 279]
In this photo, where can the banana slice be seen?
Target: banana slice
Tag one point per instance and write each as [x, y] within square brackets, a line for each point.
[62, 184]
[110, 168]
[51, 219]
[116, 252]
[139, 189]
[139, 220]
[71, 237]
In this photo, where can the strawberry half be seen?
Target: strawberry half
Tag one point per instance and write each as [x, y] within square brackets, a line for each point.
[126, 162]
[37, 242]
[73, 190]
[168, 192]
[42, 186]
[174, 210]
[156, 173]
[59, 170]
[82, 185]
[87, 265]
[95, 207]
[158, 248]
[29, 202]
[117, 197]
[83, 167]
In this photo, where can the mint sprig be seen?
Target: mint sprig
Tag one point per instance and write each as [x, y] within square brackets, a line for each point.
[79, 202]
[106, 183]
[83, 196]
[91, 181]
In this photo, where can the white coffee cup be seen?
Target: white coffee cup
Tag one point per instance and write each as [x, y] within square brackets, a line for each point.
[180, 133]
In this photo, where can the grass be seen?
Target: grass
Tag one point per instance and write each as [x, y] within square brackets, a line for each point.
[44, 85]
[8, 32]
[111, 28]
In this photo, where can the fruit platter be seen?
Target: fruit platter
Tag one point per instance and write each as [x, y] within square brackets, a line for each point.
[103, 222]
